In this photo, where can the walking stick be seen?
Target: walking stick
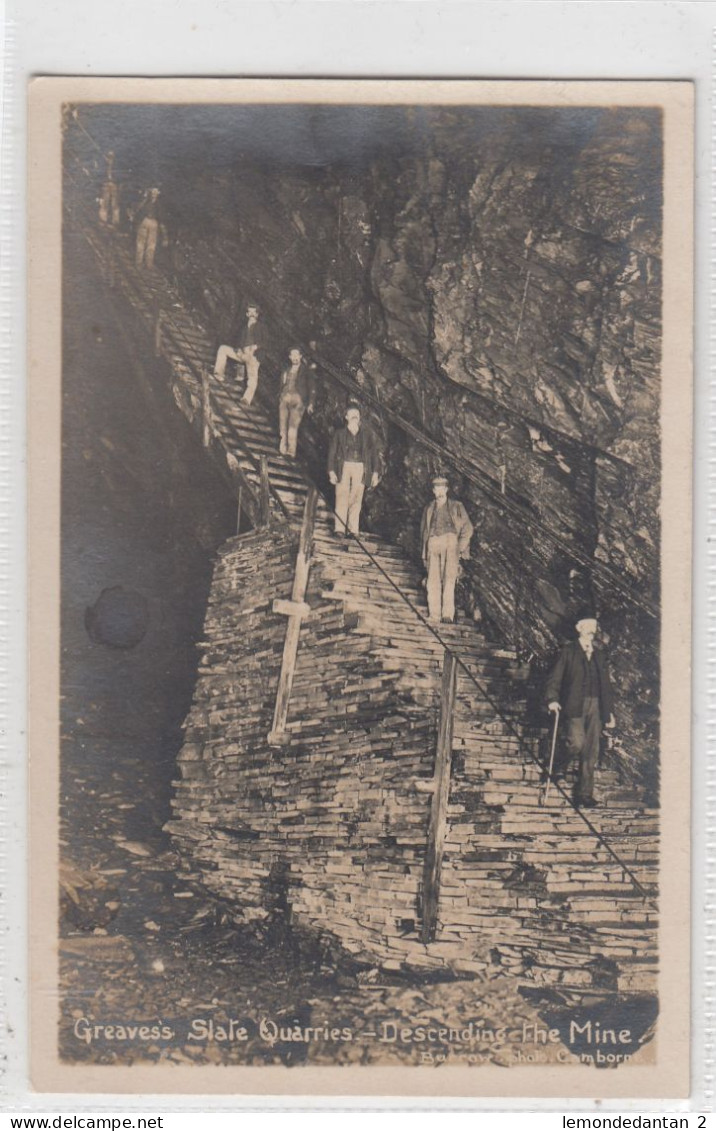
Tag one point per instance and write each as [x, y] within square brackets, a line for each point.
[545, 791]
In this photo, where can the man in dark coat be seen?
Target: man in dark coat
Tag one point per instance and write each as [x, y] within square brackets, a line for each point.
[354, 464]
[296, 397]
[580, 688]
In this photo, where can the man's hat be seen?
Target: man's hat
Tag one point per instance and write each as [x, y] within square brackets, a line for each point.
[585, 614]
[439, 481]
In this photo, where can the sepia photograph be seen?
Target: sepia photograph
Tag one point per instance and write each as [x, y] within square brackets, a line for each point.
[368, 456]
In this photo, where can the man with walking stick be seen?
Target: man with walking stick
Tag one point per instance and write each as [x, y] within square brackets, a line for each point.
[579, 692]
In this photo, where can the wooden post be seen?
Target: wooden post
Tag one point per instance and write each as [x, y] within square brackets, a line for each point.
[238, 511]
[205, 408]
[264, 493]
[438, 808]
[295, 609]
[158, 330]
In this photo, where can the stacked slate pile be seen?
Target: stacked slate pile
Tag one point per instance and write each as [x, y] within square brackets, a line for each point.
[330, 830]
[537, 882]
[327, 814]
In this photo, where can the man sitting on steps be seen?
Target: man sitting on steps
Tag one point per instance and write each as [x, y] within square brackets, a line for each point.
[246, 352]
[580, 688]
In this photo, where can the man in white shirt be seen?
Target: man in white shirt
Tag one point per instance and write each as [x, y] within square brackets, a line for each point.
[354, 466]
[445, 534]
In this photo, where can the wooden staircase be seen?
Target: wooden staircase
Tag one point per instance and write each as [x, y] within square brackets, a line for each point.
[534, 889]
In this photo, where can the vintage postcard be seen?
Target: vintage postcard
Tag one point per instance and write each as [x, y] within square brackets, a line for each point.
[360, 487]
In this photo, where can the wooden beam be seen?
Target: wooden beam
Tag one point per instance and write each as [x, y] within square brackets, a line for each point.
[157, 329]
[291, 608]
[295, 609]
[238, 512]
[248, 494]
[305, 542]
[439, 804]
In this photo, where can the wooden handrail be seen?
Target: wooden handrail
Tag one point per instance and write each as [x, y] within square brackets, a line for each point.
[264, 492]
[439, 804]
[295, 609]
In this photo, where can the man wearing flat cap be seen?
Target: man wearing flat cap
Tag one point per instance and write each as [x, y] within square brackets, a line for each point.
[445, 533]
[580, 688]
[354, 466]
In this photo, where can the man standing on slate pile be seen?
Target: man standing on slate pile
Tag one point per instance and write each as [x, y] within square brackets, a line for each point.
[579, 686]
[246, 352]
[445, 533]
[149, 227]
[295, 398]
[354, 464]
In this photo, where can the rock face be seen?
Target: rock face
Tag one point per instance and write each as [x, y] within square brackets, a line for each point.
[495, 281]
